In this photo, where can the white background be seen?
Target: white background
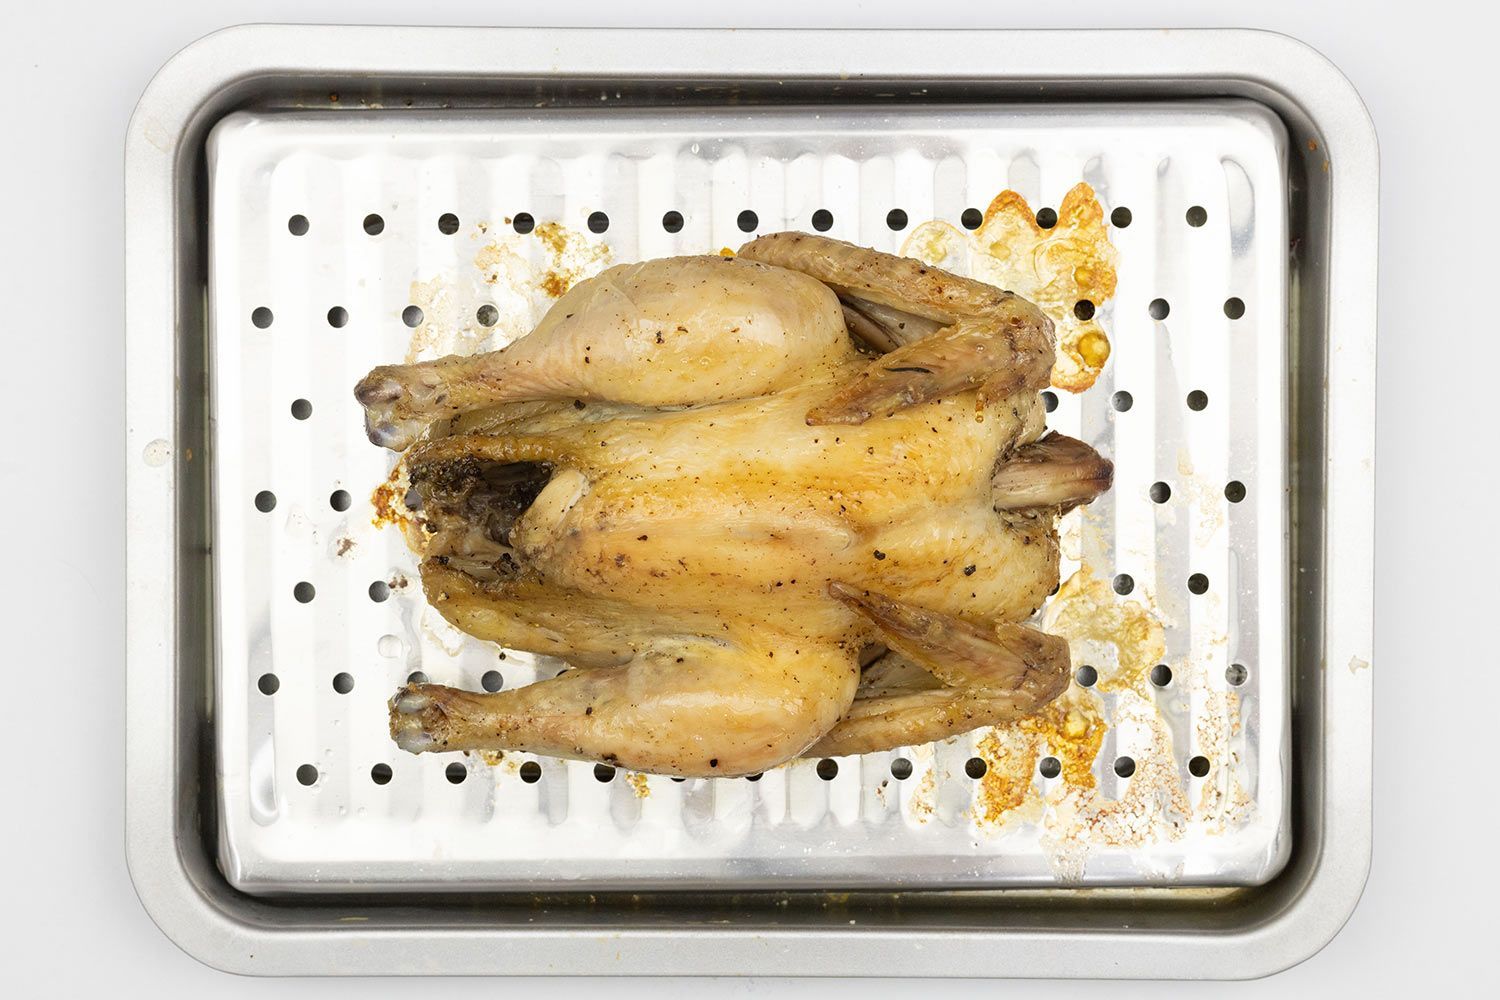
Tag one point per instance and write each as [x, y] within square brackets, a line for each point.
[69, 920]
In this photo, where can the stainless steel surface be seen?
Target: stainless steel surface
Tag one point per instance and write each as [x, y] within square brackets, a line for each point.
[1154, 932]
[286, 427]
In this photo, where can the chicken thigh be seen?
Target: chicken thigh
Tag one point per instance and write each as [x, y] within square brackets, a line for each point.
[750, 533]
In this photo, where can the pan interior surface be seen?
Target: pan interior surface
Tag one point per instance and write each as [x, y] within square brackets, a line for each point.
[340, 242]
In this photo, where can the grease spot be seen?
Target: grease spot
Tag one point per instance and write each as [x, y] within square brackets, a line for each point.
[157, 452]
[1056, 267]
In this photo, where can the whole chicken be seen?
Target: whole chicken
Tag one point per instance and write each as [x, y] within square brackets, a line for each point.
[795, 501]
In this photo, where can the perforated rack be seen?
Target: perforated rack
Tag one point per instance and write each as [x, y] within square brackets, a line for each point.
[400, 227]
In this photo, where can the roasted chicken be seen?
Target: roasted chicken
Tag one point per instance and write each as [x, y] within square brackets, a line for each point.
[794, 501]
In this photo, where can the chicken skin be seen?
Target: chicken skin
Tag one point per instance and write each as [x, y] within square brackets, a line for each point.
[794, 501]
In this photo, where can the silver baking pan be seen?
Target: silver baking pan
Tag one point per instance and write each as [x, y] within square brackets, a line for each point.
[305, 203]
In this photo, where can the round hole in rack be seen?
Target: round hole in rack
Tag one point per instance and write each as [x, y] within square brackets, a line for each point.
[268, 684]
[1049, 400]
[1234, 307]
[901, 769]
[972, 218]
[1234, 491]
[1161, 675]
[381, 774]
[447, 223]
[297, 225]
[339, 499]
[603, 772]
[895, 219]
[492, 681]
[1124, 766]
[1086, 676]
[301, 409]
[412, 316]
[416, 677]
[1046, 217]
[672, 221]
[265, 501]
[1122, 400]
[679, 780]
[975, 767]
[261, 317]
[1197, 399]
[1197, 216]
[373, 224]
[1050, 767]
[753, 777]
[598, 222]
[307, 774]
[828, 768]
[1198, 583]
[1124, 583]
[487, 315]
[522, 222]
[1236, 674]
[1198, 766]
[338, 317]
[531, 772]
[1160, 492]
[304, 592]
[380, 591]
[1159, 309]
[455, 773]
[822, 220]
[1120, 217]
[747, 221]
[343, 682]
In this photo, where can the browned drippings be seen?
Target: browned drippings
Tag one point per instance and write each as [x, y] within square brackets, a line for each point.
[384, 499]
[388, 499]
[1071, 729]
[1057, 269]
[555, 284]
[1087, 608]
[571, 257]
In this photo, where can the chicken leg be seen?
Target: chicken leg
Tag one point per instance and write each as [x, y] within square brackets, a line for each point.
[671, 332]
[687, 706]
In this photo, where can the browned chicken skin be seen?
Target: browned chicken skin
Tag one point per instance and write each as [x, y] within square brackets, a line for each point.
[689, 483]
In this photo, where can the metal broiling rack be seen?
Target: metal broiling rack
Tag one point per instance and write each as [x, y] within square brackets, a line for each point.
[307, 202]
